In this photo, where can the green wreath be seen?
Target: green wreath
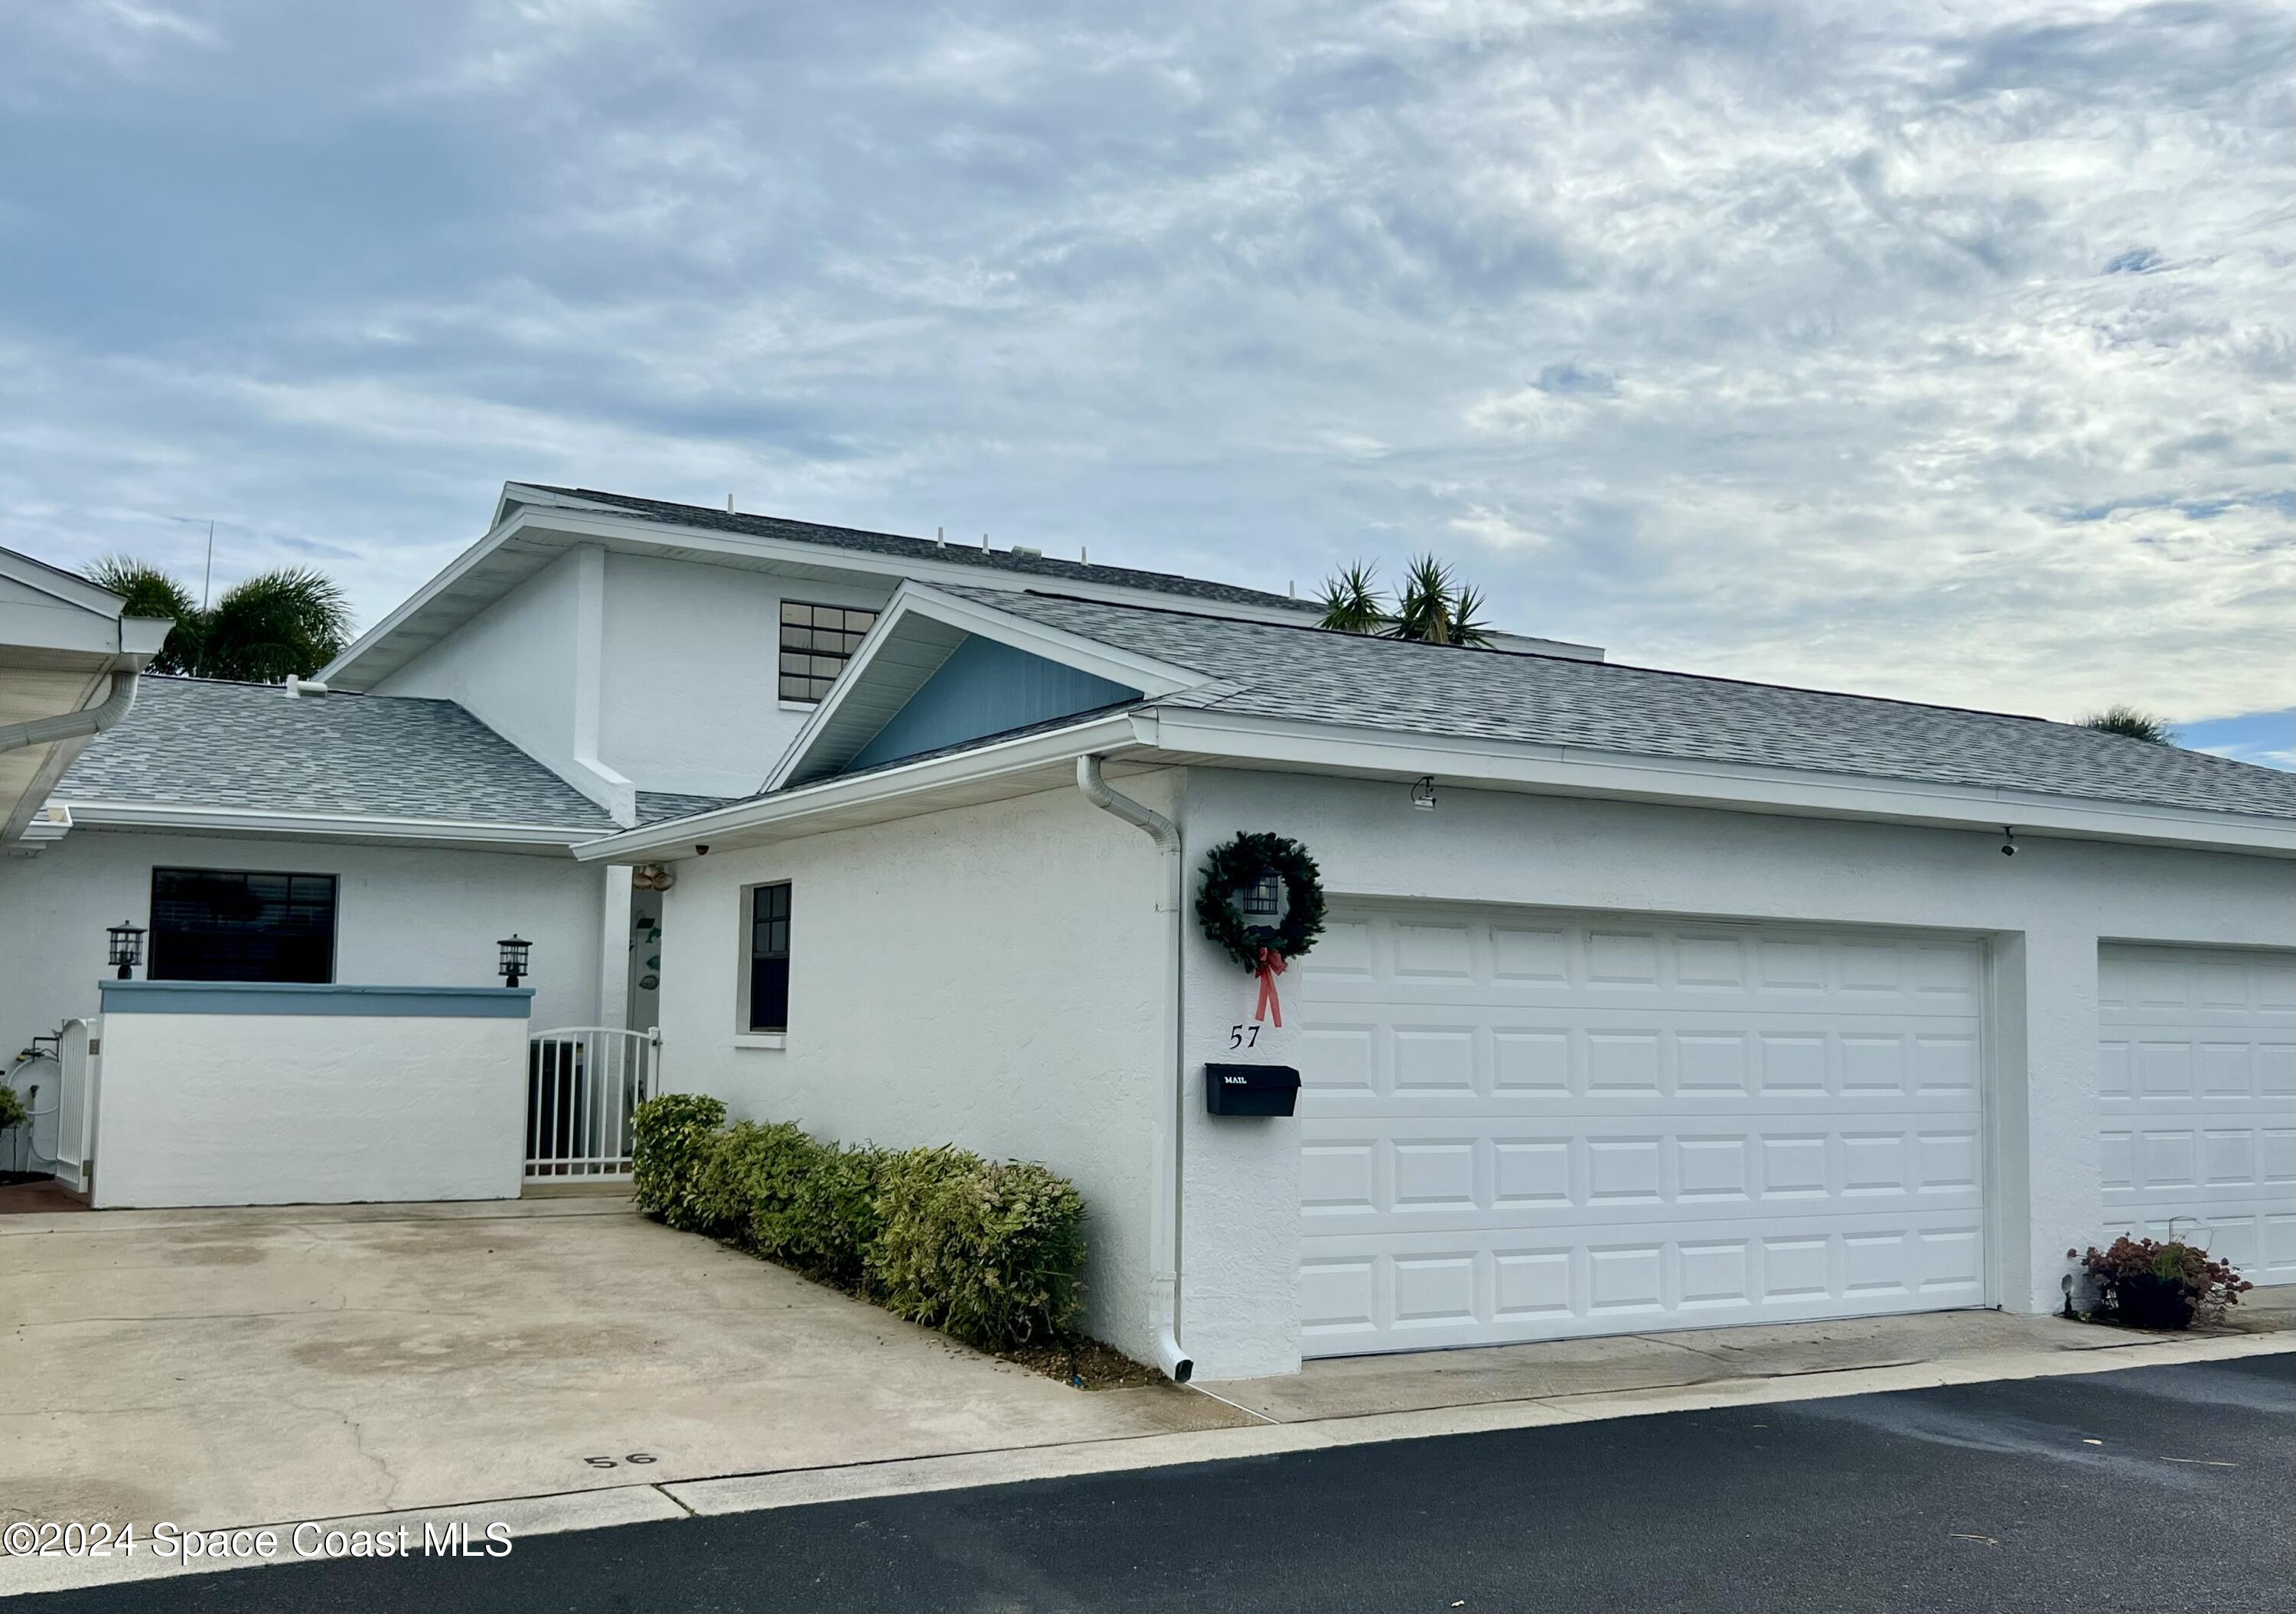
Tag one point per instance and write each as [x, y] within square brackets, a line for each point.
[1242, 863]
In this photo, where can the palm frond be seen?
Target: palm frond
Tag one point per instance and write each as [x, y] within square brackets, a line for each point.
[1351, 600]
[1467, 626]
[2133, 722]
[292, 621]
[1422, 610]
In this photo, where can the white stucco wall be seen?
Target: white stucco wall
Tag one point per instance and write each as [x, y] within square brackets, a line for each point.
[514, 667]
[308, 1109]
[2045, 911]
[690, 694]
[403, 916]
[986, 976]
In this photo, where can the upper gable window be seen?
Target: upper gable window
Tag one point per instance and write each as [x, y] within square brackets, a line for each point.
[817, 643]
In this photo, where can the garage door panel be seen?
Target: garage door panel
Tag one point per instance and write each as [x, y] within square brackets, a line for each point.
[1414, 1290]
[2196, 1068]
[1651, 1056]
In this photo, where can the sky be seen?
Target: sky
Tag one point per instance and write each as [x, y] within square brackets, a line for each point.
[1933, 350]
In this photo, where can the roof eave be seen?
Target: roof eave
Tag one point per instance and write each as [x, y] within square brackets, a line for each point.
[91, 814]
[1245, 740]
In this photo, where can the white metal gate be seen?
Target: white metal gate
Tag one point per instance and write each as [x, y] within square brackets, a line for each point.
[581, 1084]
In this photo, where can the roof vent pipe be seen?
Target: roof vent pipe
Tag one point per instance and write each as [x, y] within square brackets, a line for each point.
[1164, 1232]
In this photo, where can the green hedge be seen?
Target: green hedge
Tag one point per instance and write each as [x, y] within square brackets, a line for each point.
[991, 1253]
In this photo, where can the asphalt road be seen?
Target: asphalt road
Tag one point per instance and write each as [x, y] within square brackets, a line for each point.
[2165, 1488]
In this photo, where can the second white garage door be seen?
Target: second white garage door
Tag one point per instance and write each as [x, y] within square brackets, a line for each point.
[1520, 1126]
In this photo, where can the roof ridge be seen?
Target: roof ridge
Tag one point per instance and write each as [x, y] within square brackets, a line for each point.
[959, 551]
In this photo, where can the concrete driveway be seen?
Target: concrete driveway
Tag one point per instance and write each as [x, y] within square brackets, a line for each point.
[224, 1367]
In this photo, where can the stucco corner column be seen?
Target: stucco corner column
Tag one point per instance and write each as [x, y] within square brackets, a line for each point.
[2048, 1194]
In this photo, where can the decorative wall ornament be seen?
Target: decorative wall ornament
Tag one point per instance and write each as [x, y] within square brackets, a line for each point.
[1262, 901]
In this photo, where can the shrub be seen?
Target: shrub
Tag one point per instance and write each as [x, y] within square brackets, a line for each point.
[989, 1253]
[670, 1138]
[2156, 1285]
[12, 1112]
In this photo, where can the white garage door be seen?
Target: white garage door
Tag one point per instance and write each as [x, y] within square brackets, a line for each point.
[2196, 1090]
[1523, 1127]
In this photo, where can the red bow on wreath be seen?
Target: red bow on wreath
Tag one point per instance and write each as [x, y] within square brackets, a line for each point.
[1270, 1006]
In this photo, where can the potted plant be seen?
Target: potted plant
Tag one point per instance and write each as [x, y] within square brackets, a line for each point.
[2148, 1284]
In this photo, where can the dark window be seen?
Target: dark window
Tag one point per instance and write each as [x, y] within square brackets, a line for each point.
[213, 924]
[817, 643]
[770, 939]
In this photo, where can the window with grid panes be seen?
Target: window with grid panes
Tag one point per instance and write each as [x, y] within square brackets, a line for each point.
[817, 643]
[769, 957]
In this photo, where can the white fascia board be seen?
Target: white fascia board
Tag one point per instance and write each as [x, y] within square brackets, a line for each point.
[573, 522]
[1112, 735]
[1574, 770]
[58, 584]
[1152, 677]
[254, 821]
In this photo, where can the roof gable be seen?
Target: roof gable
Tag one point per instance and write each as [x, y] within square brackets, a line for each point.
[938, 670]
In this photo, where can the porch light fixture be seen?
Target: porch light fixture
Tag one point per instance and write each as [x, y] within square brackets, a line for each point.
[1423, 793]
[513, 957]
[126, 947]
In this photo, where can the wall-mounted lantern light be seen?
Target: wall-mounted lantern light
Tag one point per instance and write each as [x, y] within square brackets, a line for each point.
[1423, 793]
[513, 957]
[126, 947]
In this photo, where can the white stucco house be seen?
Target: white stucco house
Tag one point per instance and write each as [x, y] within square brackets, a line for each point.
[1646, 1000]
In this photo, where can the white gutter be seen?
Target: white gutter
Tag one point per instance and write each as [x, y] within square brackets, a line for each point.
[74, 725]
[257, 821]
[877, 788]
[1164, 1233]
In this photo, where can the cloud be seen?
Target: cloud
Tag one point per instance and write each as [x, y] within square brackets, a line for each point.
[1934, 352]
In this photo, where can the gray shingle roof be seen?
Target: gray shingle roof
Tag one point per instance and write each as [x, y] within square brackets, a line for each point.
[657, 807]
[1379, 683]
[892, 545]
[200, 743]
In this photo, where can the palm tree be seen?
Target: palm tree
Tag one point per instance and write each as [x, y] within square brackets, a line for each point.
[2134, 722]
[1436, 609]
[1351, 600]
[292, 621]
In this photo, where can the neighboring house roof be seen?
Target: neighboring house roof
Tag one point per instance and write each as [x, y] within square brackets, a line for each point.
[1356, 682]
[895, 546]
[203, 743]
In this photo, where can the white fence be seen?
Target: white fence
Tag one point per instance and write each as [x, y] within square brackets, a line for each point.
[581, 1084]
[55, 1079]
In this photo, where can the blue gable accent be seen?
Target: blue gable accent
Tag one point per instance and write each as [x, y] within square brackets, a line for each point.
[986, 687]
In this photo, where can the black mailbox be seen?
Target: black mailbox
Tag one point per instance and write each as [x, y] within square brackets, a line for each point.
[1250, 1089]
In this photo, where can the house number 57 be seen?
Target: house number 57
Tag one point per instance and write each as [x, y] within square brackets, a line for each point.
[1244, 1036]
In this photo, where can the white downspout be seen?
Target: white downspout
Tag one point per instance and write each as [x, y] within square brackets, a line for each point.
[1164, 1232]
[74, 725]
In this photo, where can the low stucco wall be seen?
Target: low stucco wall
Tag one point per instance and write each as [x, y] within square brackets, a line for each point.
[224, 1093]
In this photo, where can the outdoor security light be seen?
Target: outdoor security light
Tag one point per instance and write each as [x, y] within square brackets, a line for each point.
[126, 947]
[513, 957]
[1423, 793]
